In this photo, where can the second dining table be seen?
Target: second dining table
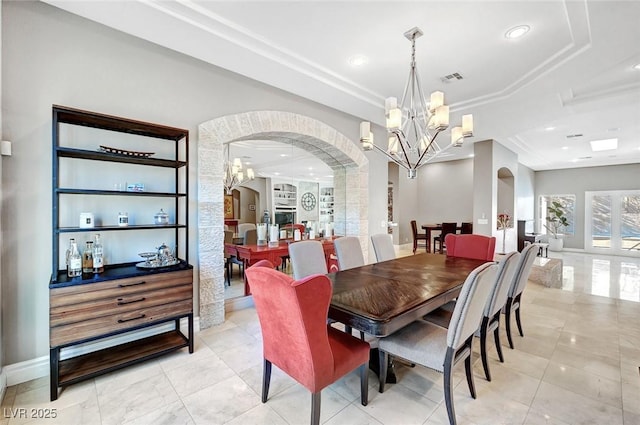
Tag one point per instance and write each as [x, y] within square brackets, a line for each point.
[428, 228]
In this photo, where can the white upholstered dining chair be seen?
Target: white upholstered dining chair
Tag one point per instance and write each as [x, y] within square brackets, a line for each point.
[520, 278]
[440, 349]
[349, 252]
[492, 310]
[307, 258]
[383, 247]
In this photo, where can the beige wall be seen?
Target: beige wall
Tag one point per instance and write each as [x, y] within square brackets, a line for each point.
[52, 57]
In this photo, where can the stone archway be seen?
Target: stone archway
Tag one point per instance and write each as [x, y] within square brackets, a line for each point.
[307, 133]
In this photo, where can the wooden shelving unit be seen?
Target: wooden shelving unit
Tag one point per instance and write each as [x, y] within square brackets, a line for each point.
[124, 298]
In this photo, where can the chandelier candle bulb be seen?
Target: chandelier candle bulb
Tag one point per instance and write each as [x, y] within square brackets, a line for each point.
[436, 101]
[467, 125]
[389, 104]
[441, 119]
[394, 122]
[456, 136]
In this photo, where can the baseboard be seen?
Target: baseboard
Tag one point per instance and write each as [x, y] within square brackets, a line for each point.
[3, 384]
[28, 370]
[239, 303]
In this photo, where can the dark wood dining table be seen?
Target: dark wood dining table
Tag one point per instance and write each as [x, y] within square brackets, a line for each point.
[428, 228]
[382, 298]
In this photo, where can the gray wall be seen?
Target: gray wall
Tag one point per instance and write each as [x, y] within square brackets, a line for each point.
[59, 58]
[577, 181]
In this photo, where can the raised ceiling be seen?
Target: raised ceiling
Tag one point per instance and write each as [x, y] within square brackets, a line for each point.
[545, 96]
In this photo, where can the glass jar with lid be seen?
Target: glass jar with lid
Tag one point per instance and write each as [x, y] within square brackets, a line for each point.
[161, 217]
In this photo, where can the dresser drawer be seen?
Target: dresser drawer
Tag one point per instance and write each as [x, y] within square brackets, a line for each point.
[117, 304]
[100, 326]
[117, 288]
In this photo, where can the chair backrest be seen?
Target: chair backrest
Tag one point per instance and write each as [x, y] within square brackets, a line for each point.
[527, 257]
[498, 296]
[467, 313]
[307, 258]
[466, 228]
[414, 228]
[228, 239]
[383, 247]
[250, 237]
[448, 228]
[245, 226]
[479, 247]
[349, 252]
[293, 319]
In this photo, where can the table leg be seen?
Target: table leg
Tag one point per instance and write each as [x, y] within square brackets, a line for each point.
[374, 365]
[428, 240]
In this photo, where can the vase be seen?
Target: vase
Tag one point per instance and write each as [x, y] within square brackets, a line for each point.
[504, 240]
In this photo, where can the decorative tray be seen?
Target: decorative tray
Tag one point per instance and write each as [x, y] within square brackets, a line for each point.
[156, 265]
[124, 152]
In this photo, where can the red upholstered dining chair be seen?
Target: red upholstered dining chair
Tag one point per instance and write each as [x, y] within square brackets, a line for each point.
[417, 237]
[479, 247]
[447, 228]
[296, 337]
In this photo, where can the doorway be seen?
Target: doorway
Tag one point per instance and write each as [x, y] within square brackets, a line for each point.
[304, 132]
[612, 222]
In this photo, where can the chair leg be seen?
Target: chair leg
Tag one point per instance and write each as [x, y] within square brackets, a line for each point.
[382, 371]
[518, 322]
[266, 380]
[364, 384]
[448, 387]
[415, 245]
[315, 408]
[507, 321]
[468, 367]
[483, 347]
[496, 337]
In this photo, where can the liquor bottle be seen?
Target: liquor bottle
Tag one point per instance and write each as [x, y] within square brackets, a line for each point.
[74, 260]
[87, 258]
[98, 255]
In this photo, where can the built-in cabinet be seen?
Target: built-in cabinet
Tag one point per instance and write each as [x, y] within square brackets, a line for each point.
[326, 204]
[103, 166]
[285, 197]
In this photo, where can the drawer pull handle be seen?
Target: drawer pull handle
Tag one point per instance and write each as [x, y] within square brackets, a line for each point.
[133, 318]
[123, 302]
[131, 284]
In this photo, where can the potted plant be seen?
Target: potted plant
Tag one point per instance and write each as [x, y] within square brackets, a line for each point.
[556, 221]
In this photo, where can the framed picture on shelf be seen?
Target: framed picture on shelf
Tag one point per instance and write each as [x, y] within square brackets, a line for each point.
[228, 206]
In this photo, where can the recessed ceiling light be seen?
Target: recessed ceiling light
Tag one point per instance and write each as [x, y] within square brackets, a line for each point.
[550, 128]
[636, 66]
[517, 32]
[358, 60]
[604, 145]
[276, 173]
[564, 148]
[471, 155]
[283, 155]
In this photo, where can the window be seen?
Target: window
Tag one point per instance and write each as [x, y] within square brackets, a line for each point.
[568, 203]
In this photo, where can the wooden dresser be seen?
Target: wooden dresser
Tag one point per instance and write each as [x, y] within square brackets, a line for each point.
[120, 300]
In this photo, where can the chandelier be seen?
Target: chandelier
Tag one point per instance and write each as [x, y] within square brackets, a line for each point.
[233, 174]
[414, 125]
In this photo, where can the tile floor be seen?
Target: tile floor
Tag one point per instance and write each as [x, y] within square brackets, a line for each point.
[577, 364]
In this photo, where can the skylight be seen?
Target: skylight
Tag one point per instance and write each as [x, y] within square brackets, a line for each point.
[604, 145]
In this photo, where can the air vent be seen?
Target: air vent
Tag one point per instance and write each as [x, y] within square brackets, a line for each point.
[451, 77]
[585, 157]
[571, 136]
